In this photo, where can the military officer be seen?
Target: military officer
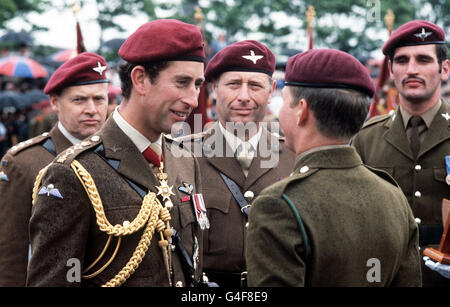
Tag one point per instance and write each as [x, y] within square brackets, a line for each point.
[78, 95]
[334, 221]
[241, 77]
[109, 212]
[413, 142]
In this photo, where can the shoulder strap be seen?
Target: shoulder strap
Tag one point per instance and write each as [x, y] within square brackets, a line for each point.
[300, 224]
[237, 194]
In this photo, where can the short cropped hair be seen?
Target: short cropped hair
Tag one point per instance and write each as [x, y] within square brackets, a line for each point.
[152, 69]
[339, 113]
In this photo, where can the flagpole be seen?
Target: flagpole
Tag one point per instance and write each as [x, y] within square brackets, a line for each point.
[80, 41]
[310, 16]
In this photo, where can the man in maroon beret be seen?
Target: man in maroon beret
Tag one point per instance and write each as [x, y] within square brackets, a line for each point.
[129, 175]
[412, 143]
[334, 221]
[78, 95]
[240, 154]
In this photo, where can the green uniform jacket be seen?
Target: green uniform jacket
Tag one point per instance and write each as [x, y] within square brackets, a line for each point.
[382, 143]
[64, 230]
[355, 221]
[20, 167]
[224, 242]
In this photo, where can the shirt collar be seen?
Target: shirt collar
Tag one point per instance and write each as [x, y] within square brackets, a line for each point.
[234, 142]
[427, 116]
[136, 137]
[68, 136]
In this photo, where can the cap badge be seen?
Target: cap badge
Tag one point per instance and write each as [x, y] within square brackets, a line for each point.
[99, 68]
[253, 57]
[423, 35]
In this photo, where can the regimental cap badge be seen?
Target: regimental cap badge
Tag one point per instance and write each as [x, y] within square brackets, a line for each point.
[99, 68]
[253, 57]
[423, 35]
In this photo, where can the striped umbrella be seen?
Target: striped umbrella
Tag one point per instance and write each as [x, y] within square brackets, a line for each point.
[17, 66]
[64, 55]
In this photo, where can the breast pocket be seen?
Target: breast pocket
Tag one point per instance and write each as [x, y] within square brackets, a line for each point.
[217, 204]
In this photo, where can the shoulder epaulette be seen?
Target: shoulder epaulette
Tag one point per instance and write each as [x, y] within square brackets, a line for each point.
[383, 174]
[377, 119]
[29, 143]
[280, 187]
[68, 155]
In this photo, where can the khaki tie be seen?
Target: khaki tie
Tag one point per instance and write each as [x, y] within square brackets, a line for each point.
[414, 140]
[244, 155]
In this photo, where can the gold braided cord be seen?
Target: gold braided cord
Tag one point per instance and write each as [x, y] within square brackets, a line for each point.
[102, 221]
[152, 214]
[37, 183]
[119, 240]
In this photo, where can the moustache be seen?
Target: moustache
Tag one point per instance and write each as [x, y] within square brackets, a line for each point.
[413, 79]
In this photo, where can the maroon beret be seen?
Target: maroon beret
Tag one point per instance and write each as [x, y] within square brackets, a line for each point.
[328, 68]
[85, 68]
[248, 55]
[164, 39]
[416, 32]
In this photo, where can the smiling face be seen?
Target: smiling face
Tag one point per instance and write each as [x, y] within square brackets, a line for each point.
[82, 109]
[173, 96]
[242, 96]
[415, 70]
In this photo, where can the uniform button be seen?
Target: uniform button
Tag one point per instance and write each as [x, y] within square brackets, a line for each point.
[95, 138]
[304, 169]
[246, 225]
[179, 284]
[418, 194]
[249, 195]
[418, 221]
[418, 167]
[126, 223]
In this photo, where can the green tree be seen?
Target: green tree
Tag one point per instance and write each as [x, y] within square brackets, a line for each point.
[13, 8]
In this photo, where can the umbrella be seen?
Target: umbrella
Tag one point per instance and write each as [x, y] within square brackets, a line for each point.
[114, 43]
[16, 66]
[36, 96]
[13, 99]
[64, 55]
[17, 38]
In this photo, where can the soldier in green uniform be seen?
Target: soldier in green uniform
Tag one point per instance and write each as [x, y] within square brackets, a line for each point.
[413, 142]
[334, 221]
[109, 212]
[80, 102]
[233, 173]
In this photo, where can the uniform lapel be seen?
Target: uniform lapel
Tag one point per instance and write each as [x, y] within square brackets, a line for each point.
[59, 140]
[132, 164]
[396, 135]
[267, 148]
[216, 150]
[438, 132]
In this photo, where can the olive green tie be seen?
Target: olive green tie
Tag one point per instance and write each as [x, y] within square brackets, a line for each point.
[414, 140]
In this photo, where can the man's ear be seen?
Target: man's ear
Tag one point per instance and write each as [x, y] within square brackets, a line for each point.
[138, 78]
[302, 112]
[54, 103]
[445, 71]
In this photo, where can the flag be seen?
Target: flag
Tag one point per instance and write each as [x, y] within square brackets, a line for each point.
[311, 38]
[80, 41]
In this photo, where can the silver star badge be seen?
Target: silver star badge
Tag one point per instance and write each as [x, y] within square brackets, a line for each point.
[446, 116]
[165, 190]
[253, 57]
[423, 35]
[99, 68]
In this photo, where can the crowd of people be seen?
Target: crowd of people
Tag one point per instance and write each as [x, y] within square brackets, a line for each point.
[111, 198]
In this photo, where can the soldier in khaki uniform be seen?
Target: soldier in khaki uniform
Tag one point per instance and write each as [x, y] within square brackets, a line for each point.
[241, 80]
[414, 152]
[109, 211]
[334, 221]
[20, 166]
